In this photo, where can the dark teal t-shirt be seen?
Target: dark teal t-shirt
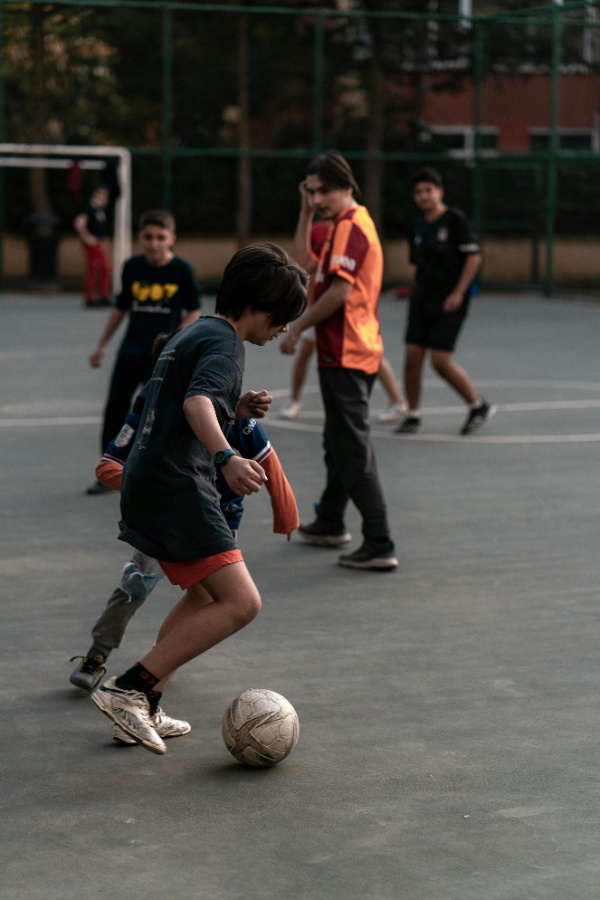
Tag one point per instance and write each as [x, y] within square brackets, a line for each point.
[169, 503]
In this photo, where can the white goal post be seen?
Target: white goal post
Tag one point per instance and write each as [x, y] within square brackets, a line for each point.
[61, 156]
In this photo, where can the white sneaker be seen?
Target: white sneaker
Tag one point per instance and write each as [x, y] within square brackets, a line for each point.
[131, 711]
[394, 413]
[165, 726]
[290, 412]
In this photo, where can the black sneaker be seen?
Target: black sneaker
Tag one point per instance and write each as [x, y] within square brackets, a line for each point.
[88, 673]
[410, 425]
[368, 556]
[98, 488]
[324, 535]
[477, 417]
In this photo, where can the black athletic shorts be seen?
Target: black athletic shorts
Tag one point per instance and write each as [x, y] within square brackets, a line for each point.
[435, 329]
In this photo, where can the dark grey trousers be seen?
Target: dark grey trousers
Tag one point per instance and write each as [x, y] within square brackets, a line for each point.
[349, 456]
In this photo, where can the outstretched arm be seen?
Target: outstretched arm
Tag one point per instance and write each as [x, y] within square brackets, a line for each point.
[114, 320]
[328, 303]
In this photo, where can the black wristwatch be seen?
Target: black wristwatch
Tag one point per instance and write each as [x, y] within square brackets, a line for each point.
[223, 456]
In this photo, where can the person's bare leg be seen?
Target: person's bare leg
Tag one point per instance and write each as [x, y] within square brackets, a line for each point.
[413, 375]
[390, 385]
[203, 598]
[195, 625]
[300, 368]
[444, 364]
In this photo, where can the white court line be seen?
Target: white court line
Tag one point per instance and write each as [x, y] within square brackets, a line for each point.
[536, 384]
[301, 424]
[518, 407]
[451, 438]
[50, 422]
[312, 421]
[49, 353]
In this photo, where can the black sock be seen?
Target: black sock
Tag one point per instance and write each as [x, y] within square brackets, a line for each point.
[137, 679]
[94, 653]
[154, 700]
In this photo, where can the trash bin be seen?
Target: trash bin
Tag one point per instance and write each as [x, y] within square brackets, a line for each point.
[43, 245]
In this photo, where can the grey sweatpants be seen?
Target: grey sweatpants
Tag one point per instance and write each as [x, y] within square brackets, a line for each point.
[139, 578]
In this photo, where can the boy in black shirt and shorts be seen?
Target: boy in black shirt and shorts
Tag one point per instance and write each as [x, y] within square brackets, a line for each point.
[446, 253]
[159, 292]
[169, 502]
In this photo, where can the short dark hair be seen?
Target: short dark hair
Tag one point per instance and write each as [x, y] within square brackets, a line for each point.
[431, 176]
[334, 171]
[160, 217]
[263, 278]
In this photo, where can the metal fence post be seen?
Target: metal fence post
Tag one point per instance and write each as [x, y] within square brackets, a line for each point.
[553, 148]
[1, 141]
[478, 82]
[167, 76]
[319, 83]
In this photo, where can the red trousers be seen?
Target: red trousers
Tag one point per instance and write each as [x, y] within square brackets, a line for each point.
[97, 273]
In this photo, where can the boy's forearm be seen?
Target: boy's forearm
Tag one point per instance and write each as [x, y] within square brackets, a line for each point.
[328, 303]
[469, 271]
[202, 419]
[114, 320]
[80, 225]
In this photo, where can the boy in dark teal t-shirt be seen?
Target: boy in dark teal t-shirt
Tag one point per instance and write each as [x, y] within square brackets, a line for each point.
[169, 502]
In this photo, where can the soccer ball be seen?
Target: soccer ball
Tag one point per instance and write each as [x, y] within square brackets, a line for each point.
[260, 727]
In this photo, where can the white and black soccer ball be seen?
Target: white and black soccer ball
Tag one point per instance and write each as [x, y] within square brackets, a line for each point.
[260, 727]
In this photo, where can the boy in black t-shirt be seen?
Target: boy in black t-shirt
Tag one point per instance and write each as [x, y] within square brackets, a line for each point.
[169, 501]
[446, 254]
[91, 226]
[159, 292]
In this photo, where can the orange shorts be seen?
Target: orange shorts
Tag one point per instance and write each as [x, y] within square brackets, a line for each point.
[185, 574]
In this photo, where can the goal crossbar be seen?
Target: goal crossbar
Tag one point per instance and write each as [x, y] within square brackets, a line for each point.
[41, 154]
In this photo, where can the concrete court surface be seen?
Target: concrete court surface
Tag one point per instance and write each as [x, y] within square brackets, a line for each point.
[450, 721]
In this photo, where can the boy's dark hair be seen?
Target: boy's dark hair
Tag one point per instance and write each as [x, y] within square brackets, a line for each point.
[431, 176]
[263, 278]
[160, 217]
[334, 171]
[160, 342]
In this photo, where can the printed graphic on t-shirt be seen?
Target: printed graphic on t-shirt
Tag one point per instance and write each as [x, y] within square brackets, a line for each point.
[149, 296]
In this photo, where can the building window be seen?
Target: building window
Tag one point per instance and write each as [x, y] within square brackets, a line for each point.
[568, 139]
[459, 141]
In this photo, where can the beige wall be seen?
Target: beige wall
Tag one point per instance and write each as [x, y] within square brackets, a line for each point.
[504, 258]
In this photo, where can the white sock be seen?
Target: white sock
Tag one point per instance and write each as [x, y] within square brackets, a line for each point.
[414, 413]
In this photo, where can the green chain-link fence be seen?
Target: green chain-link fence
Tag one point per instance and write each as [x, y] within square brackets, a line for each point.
[223, 104]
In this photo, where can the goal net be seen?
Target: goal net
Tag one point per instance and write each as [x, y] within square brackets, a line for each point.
[62, 156]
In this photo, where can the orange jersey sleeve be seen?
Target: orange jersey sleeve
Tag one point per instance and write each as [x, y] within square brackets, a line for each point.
[283, 502]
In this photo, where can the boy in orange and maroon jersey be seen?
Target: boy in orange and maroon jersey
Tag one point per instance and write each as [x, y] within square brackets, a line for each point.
[349, 346]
